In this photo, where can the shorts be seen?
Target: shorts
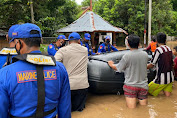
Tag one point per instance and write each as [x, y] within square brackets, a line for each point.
[135, 92]
[155, 89]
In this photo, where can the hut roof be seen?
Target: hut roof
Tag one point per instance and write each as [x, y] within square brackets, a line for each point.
[90, 22]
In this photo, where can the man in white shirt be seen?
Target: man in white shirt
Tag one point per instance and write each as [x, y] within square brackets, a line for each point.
[75, 58]
[126, 43]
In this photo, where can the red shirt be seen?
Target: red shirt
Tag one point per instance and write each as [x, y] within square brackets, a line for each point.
[175, 66]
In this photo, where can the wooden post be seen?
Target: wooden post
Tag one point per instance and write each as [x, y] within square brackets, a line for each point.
[90, 5]
[84, 11]
[114, 39]
[92, 39]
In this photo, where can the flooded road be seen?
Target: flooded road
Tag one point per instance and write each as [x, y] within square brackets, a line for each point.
[114, 106]
[172, 44]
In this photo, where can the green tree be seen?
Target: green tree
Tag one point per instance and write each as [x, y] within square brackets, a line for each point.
[69, 11]
[129, 15]
[174, 2]
[62, 16]
[162, 17]
[13, 11]
[87, 2]
[51, 15]
[48, 14]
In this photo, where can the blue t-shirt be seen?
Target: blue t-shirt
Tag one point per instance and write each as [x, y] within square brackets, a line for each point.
[18, 90]
[2, 60]
[87, 45]
[52, 49]
[102, 48]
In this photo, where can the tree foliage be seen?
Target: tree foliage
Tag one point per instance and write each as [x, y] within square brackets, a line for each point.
[13, 11]
[162, 17]
[87, 2]
[174, 3]
[129, 15]
[60, 17]
[50, 15]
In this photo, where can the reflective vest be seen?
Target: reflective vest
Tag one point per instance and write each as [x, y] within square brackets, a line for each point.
[153, 46]
[39, 61]
[19, 83]
[6, 55]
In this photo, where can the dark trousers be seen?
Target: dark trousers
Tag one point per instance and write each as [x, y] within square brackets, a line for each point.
[78, 99]
[176, 78]
[96, 48]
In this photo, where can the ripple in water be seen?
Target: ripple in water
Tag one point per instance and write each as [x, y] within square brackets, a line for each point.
[152, 113]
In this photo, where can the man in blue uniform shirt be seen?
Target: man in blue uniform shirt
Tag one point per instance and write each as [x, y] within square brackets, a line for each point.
[86, 43]
[35, 84]
[54, 47]
[106, 46]
[6, 54]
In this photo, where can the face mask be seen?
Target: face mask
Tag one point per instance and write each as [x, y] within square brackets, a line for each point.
[18, 51]
[63, 44]
[108, 41]
[157, 45]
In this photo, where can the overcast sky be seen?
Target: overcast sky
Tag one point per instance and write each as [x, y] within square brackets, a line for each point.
[79, 1]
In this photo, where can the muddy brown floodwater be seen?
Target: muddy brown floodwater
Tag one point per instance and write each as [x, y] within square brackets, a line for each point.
[114, 106]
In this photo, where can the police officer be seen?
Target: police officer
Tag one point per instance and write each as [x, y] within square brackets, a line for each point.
[35, 84]
[86, 43]
[106, 46]
[6, 54]
[54, 47]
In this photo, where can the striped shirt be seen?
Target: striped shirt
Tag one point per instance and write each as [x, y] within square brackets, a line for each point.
[163, 61]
